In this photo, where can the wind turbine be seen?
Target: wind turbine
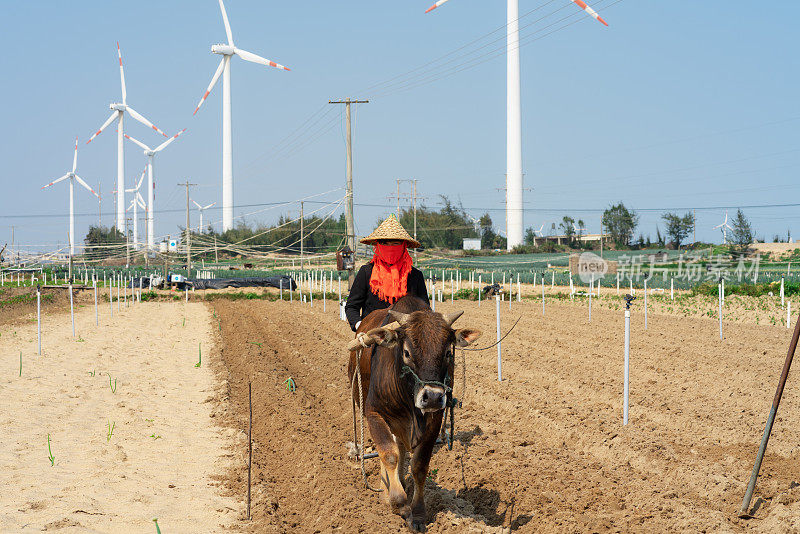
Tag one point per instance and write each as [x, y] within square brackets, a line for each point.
[118, 113]
[137, 202]
[724, 227]
[514, 219]
[226, 51]
[72, 178]
[201, 209]
[150, 152]
[539, 231]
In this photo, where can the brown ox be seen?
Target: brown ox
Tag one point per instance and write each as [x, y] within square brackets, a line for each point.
[404, 409]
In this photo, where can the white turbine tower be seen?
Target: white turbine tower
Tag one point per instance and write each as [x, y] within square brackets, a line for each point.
[72, 178]
[226, 51]
[137, 202]
[724, 227]
[514, 218]
[150, 152]
[118, 113]
[201, 209]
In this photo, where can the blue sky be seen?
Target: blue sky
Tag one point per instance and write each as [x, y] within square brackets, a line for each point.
[680, 104]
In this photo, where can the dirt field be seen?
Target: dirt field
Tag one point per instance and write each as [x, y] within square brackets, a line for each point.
[542, 451]
[165, 454]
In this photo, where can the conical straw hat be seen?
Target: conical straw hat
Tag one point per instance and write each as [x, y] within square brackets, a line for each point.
[390, 229]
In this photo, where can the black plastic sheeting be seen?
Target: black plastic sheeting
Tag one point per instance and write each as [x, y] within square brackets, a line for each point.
[220, 283]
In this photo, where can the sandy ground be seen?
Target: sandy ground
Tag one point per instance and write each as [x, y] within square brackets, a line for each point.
[165, 454]
[542, 451]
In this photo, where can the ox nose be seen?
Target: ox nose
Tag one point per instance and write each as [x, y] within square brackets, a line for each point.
[431, 398]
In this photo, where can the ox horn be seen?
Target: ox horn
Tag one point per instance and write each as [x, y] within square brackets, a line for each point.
[400, 317]
[450, 318]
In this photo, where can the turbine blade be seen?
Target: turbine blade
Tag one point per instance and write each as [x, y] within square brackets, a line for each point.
[140, 200]
[122, 76]
[589, 11]
[196, 204]
[249, 56]
[166, 143]
[141, 179]
[144, 146]
[56, 181]
[434, 6]
[84, 184]
[227, 24]
[103, 127]
[75, 157]
[213, 82]
[205, 208]
[136, 115]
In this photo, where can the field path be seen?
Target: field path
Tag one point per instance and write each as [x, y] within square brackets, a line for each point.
[165, 454]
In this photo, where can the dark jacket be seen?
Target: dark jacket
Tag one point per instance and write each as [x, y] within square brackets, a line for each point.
[362, 300]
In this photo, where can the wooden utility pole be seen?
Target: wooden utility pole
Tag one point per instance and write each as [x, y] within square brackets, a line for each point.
[348, 215]
[302, 230]
[188, 233]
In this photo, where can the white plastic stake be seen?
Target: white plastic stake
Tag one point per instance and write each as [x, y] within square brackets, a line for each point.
[71, 308]
[542, 293]
[591, 283]
[39, 317]
[280, 283]
[111, 299]
[788, 312]
[499, 360]
[626, 387]
[324, 290]
[671, 289]
[719, 298]
[480, 288]
[782, 294]
[552, 279]
[645, 303]
[519, 290]
[617, 282]
[96, 316]
[340, 287]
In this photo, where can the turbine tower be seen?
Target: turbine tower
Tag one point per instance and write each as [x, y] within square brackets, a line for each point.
[201, 209]
[72, 178]
[137, 202]
[514, 178]
[226, 51]
[724, 227]
[118, 113]
[150, 152]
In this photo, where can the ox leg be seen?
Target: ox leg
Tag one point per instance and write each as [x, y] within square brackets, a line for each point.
[420, 462]
[391, 464]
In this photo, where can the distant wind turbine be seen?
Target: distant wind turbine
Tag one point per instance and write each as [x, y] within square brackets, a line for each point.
[724, 227]
[137, 202]
[226, 51]
[150, 152]
[514, 187]
[201, 209]
[118, 113]
[72, 178]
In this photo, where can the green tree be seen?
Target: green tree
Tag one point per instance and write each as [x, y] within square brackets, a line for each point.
[100, 240]
[487, 232]
[567, 225]
[678, 228]
[443, 228]
[620, 223]
[742, 234]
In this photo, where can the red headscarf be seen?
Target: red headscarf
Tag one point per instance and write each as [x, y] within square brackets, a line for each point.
[389, 280]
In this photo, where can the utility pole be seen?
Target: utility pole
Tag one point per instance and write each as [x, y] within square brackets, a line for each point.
[188, 233]
[694, 226]
[414, 202]
[302, 229]
[99, 205]
[348, 215]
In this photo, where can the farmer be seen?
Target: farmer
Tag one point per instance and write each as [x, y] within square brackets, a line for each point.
[389, 276]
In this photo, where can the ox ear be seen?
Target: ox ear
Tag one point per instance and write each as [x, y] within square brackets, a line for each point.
[383, 336]
[466, 336]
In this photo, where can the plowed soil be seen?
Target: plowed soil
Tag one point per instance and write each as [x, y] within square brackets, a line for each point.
[542, 451]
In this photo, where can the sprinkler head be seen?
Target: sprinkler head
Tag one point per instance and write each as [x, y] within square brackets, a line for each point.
[628, 300]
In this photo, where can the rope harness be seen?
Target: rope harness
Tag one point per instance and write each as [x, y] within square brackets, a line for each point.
[360, 445]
